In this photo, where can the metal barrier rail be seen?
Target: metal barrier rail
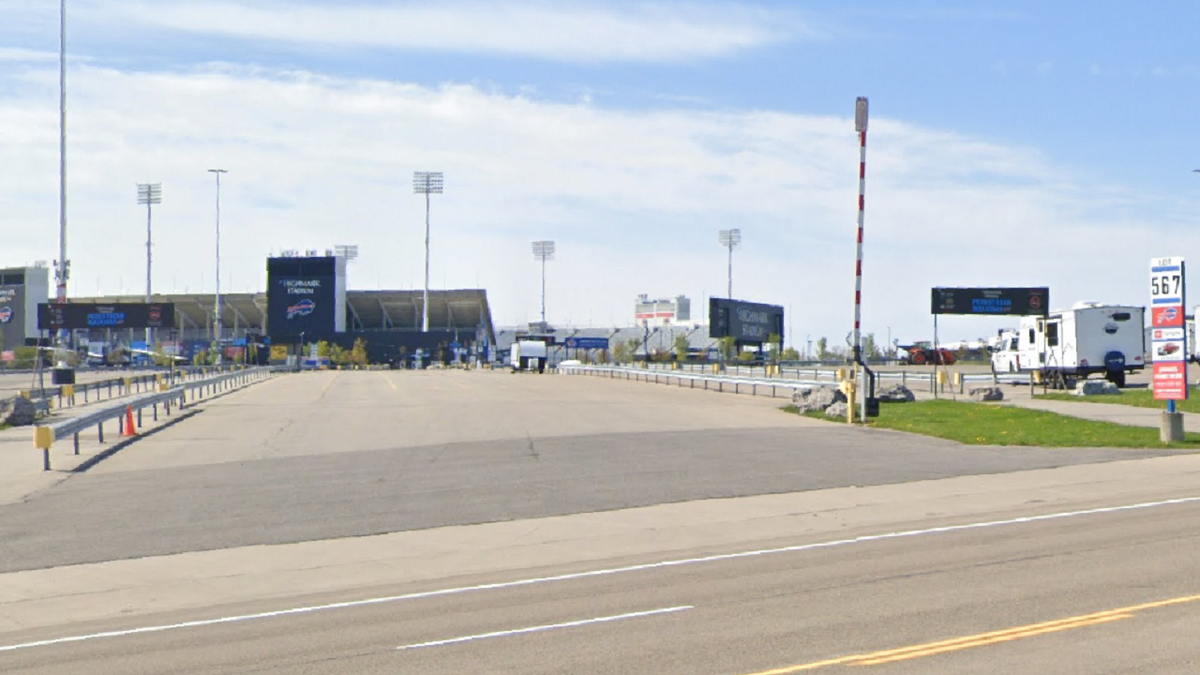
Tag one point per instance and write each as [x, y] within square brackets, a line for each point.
[68, 394]
[823, 378]
[829, 376]
[179, 396]
[737, 384]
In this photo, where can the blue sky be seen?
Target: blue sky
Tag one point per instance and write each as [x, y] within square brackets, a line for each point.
[1019, 143]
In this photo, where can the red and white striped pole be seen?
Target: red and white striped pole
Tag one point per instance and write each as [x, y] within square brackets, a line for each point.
[860, 125]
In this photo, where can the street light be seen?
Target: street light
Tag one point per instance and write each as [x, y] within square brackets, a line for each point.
[730, 239]
[543, 251]
[149, 194]
[427, 183]
[217, 301]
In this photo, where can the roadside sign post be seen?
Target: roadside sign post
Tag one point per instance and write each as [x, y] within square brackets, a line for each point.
[1169, 347]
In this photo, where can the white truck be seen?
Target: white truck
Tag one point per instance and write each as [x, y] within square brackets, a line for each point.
[1090, 338]
[528, 355]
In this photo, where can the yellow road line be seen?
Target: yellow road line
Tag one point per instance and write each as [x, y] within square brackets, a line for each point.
[390, 383]
[982, 639]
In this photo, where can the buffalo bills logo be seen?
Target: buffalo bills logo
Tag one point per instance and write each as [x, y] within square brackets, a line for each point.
[1167, 316]
[302, 308]
[5, 314]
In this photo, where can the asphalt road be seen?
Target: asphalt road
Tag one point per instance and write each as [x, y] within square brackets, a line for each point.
[327, 455]
[1110, 592]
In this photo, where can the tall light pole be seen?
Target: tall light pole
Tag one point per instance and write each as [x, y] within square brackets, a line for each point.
[149, 194]
[543, 251]
[217, 300]
[427, 183]
[730, 239]
[63, 272]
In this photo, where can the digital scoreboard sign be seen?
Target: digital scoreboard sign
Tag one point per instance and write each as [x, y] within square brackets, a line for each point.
[81, 316]
[992, 301]
[744, 321]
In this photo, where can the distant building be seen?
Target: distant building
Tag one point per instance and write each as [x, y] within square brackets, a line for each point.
[21, 289]
[662, 312]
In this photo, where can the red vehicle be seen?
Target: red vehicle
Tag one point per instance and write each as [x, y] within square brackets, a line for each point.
[921, 353]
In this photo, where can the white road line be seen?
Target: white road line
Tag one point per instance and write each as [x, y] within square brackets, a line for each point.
[552, 626]
[607, 572]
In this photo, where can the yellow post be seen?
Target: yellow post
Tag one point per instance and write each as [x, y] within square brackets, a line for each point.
[941, 380]
[43, 437]
[848, 388]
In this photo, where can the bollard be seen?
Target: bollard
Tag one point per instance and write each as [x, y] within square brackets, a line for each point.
[958, 382]
[1171, 427]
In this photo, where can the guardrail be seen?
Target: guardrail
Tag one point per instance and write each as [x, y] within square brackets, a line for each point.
[177, 397]
[681, 378]
[795, 379]
[65, 395]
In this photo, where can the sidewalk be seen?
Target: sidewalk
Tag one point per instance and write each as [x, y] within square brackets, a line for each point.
[1106, 412]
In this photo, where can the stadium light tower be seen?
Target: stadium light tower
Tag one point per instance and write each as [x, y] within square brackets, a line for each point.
[217, 301]
[427, 183]
[149, 194]
[730, 239]
[543, 251]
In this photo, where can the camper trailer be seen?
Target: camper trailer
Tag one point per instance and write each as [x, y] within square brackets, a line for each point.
[529, 355]
[1090, 338]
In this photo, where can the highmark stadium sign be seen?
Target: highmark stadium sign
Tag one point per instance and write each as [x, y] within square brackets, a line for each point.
[301, 286]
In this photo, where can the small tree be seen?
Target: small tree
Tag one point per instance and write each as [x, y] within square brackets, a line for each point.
[681, 347]
[358, 355]
[773, 346]
[823, 349]
[726, 346]
[870, 349]
[790, 354]
[337, 354]
[621, 352]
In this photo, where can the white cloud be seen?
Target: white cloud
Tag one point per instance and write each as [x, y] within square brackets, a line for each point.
[633, 198]
[568, 30]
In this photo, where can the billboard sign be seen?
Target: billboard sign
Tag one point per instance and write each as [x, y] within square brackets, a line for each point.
[586, 343]
[992, 301]
[301, 295]
[76, 316]
[1168, 339]
[744, 321]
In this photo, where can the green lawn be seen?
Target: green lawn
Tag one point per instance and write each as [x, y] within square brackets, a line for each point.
[1141, 398]
[989, 424]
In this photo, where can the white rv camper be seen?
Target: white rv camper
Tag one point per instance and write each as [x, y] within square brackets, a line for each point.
[1090, 338]
[529, 355]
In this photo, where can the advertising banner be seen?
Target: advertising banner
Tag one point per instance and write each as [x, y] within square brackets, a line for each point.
[1168, 339]
[585, 343]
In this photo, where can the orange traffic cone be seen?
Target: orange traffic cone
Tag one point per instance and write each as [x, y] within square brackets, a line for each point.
[129, 429]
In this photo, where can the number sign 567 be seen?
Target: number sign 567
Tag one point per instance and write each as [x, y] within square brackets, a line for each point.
[1166, 284]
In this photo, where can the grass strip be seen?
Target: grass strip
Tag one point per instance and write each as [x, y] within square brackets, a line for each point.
[1139, 398]
[990, 424]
